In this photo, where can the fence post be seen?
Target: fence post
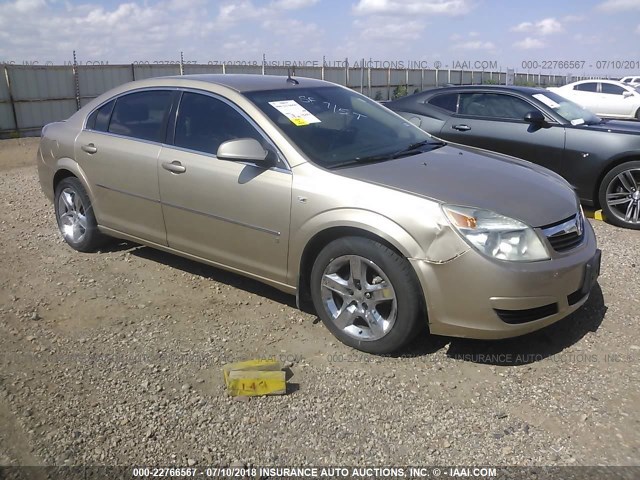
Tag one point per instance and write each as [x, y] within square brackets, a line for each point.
[346, 72]
[11, 102]
[369, 81]
[389, 83]
[362, 76]
[76, 80]
[181, 63]
[322, 68]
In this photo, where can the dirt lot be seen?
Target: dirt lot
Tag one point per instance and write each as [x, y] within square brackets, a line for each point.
[115, 358]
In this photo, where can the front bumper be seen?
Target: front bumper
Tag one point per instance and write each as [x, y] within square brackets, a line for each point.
[473, 296]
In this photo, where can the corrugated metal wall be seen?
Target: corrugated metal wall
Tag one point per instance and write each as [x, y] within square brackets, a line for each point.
[32, 96]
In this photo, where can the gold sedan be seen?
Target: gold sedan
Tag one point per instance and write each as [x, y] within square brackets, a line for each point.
[323, 193]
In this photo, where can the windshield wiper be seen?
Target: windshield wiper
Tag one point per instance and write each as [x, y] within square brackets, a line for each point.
[414, 148]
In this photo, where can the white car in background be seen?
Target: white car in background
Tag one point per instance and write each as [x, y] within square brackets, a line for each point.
[633, 81]
[605, 98]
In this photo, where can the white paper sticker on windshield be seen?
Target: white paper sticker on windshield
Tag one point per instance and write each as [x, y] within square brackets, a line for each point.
[295, 112]
[546, 100]
[577, 121]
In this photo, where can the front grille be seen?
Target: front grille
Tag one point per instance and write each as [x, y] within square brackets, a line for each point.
[566, 234]
[514, 317]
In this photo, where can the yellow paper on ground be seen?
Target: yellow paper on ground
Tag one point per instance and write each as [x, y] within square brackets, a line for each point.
[257, 365]
[253, 382]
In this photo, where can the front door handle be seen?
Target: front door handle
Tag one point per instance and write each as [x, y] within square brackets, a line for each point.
[461, 128]
[91, 148]
[174, 167]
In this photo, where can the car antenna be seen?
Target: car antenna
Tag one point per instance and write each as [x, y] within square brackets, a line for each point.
[291, 80]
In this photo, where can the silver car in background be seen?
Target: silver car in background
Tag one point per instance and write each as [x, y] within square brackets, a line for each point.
[321, 192]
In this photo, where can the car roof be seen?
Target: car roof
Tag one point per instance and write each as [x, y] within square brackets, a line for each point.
[497, 88]
[247, 82]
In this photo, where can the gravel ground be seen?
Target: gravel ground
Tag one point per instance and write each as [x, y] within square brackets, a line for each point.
[116, 357]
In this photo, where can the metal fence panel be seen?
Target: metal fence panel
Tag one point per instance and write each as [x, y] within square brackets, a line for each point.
[335, 75]
[32, 115]
[4, 88]
[6, 117]
[247, 69]
[415, 77]
[200, 69]
[150, 71]
[95, 80]
[309, 72]
[379, 77]
[36, 83]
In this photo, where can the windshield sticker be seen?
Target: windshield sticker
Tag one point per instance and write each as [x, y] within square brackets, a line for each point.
[546, 100]
[295, 112]
[577, 121]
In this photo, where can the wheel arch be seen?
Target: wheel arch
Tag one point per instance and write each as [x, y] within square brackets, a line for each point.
[321, 239]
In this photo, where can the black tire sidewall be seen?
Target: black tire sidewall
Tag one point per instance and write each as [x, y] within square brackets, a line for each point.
[402, 277]
[602, 194]
[93, 239]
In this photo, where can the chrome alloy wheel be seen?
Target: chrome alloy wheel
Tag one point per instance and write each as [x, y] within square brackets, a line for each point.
[359, 297]
[623, 196]
[72, 216]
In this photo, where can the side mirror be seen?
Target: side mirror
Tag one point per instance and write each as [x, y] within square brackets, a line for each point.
[627, 94]
[534, 117]
[247, 149]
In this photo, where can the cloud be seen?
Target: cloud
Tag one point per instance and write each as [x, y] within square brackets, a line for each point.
[292, 4]
[529, 43]
[474, 45]
[377, 28]
[547, 26]
[413, 7]
[619, 5]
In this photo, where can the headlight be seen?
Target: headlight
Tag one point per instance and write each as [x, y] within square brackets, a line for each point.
[495, 235]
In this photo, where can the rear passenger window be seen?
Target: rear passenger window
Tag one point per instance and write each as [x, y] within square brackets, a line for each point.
[205, 122]
[99, 119]
[141, 115]
[612, 89]
[447, 102]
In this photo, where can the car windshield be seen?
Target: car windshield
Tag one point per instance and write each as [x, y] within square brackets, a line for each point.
[336, 127]
[571, 112]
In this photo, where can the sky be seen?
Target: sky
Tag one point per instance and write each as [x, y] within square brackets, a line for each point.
[599, 36]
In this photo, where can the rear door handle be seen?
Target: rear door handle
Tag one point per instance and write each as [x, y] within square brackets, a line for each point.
[91, 148]
[461, 128]
[174, 167]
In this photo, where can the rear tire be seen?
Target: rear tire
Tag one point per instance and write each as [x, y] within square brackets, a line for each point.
[367, 295]
[75, 217]
[619, 195]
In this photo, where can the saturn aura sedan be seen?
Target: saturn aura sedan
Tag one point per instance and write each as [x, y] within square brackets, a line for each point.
[321, 192]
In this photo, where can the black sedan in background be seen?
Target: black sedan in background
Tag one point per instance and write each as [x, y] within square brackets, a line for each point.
[600, 158]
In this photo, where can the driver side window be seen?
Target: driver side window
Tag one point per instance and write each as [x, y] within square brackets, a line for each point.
[493, 105]
[205, 122]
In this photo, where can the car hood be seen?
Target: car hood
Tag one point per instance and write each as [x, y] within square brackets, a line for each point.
[616, 126]
[470, 177]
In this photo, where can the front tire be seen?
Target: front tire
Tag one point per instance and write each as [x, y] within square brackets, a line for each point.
[619, 195]
[75, 217]
[366, 294]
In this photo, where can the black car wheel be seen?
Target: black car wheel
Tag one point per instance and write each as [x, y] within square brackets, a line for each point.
[620, 195]
[75, 217]
[366, 294]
